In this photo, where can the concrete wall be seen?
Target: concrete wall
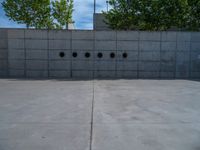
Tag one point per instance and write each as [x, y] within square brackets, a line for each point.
[99, 23]
[38, 54]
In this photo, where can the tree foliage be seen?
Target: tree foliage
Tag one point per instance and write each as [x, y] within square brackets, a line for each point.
[41, 14]
[153, 14]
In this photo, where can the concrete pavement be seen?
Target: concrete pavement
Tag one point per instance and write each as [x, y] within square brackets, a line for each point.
[99, 115]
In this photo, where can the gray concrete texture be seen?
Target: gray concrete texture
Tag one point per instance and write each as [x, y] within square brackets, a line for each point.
[149, 54]
[99, 114]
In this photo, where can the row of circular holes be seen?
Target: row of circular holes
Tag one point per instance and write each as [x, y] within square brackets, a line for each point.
[87, 55]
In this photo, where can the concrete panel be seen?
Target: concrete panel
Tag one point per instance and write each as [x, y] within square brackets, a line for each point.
[83, 44]
[195, 46]
[82, 53]
[36, 54]
[59, 65]
[126, 74]
[168, 36]
[3, 54]
[82, 65]
[36, 34]
[131, 55]
[16, 54]
[16, 73]
[195, 37]
[15, 43]
[182, 75]
[36, 74]
[127, 45]
[149, 56]
[105, 45]
[82, 74]
[60, 74]
[105, 55]
[105, 65]
[3, 43]
[149, 46]
[36, 65]
[59, 44]
[55, 54]
[127, 35]
[195, 61]
[150, 36]
[16, 64]
[167, 67]
[195, 75]
[82, 35]
[167, 75]
[3, 34]
[105, 35]
[36, 44]
[149, 75]
[16, 34]
[168, 46]
[3, 73]
[104, 74]
[183, 46]
[183, 36]
[182, 62]
[3, 64]
[149, 66]
[59, 35]
[168, 56]
[127, 65]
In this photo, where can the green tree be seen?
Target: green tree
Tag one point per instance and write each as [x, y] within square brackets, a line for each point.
[62, 12]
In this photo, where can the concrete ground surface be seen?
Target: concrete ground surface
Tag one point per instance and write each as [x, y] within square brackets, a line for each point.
[99, 115]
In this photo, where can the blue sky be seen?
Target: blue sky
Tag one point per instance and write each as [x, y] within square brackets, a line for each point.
[83, 14]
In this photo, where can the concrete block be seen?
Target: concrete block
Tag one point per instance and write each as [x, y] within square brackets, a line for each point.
[36, 34]
[105, 45]
[37, 54]
[16, 73]
[127, 65]
[16, 44]
[82, 74]
[150, 36]
[149, 75]
[182, 75]
[104, 74]
[59, 44]
[3, 43]
[59, 65]
[16, 34]
[166, 56]
[149, 56]
[167, 67]
[195, 46]
[16, 64]
[127, 35]
[3, 34]
[126, 74]
[59, 35]
[195, 75]
[183, 46]
[127, 45]
[3, 54]
[195, 36]
[167, 75]
[82, 35]
[105, 65]
[16, 54]
[168, 36]
[36, 44]
[131, 55]
[82, 65]
[149, 66]
[36, 74]
[55, 54]
[36, 65]
[60, 74]
[168, 46]
[3, 73]
[149, 46]
[83, 44]
[183, 36]
[105, 35]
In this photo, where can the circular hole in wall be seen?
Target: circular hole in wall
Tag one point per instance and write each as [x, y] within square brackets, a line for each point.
[62, 54]
[74, 54]
[87, 55]
[100, 55]
[125, 55]
[112, 55]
